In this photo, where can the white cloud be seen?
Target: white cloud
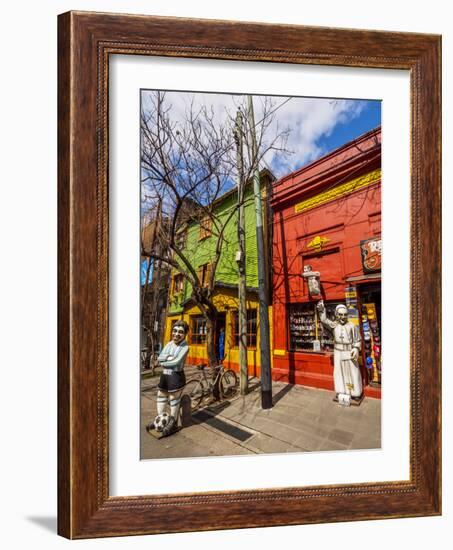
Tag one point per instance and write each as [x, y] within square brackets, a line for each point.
[309, 120]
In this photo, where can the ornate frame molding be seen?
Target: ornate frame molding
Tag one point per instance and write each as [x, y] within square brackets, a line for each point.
[86, 40]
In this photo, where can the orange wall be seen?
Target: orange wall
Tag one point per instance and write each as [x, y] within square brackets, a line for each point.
[343, 223]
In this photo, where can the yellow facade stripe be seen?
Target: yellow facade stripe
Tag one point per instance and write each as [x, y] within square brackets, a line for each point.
[225, 302]
[339, 191]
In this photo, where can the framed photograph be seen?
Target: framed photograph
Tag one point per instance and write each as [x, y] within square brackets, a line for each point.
[249, 275]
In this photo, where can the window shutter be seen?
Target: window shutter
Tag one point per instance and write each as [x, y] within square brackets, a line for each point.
[208, 275]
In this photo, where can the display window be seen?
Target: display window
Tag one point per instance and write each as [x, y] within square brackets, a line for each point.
[251, 328]
[198, 329]
[306, 332]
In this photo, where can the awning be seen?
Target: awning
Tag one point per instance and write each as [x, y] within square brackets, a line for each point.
[364, 278]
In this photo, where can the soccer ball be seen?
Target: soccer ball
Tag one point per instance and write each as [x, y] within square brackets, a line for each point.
[161, 421]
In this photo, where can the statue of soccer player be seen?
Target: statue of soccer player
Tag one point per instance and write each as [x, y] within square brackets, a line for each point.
[347, 343]
[173, 379]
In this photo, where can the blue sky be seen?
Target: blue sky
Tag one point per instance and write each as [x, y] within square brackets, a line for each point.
[316, 125]
[320, 125]
[144, 270]
[369, 118]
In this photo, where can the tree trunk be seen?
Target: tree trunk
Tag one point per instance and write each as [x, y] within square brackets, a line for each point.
[210, 339]
[211, 318]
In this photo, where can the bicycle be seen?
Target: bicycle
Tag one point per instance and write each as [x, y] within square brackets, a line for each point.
[197, 389]
[148, 361]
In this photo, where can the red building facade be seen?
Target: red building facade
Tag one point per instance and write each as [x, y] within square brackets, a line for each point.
[327, 222]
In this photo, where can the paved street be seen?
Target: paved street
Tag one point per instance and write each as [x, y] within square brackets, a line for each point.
[302, 419]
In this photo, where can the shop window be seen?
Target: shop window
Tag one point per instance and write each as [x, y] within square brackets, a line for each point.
[305, 328]
[198, 330]
[205, 228]
[251, 328]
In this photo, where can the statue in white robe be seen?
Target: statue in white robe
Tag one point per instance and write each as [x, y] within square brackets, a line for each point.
[347, 343]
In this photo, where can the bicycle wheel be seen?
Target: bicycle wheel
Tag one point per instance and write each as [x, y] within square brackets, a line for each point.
[195, 390]
[228, 383]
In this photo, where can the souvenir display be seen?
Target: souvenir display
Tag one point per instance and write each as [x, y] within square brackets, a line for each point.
[305, 329]
[372, 342]
[370, 313]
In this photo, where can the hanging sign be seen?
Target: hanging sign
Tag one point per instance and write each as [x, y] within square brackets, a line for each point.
[313, 280]
[371, 255]
[350, 294]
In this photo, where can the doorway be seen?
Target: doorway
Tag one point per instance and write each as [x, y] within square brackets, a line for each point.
[220, 337]
[371, 328]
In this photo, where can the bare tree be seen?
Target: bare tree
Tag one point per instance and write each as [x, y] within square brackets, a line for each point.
[188, 165]
[155, 283]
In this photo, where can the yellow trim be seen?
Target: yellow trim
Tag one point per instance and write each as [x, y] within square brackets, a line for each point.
[318, 242]
[226, 301]
[339, 191]
[279, 352]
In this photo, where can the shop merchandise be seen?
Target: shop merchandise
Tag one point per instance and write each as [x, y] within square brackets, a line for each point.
[372, 343]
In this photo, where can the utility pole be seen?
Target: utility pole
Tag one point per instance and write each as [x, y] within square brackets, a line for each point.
[265, 353]
[153, 285]
[240, 259]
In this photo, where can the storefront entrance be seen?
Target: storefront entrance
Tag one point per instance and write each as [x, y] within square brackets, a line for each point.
[371, 328]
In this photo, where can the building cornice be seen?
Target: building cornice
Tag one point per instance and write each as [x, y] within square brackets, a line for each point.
[350, 161]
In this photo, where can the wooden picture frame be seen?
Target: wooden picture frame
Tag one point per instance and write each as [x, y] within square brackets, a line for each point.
[86, 40]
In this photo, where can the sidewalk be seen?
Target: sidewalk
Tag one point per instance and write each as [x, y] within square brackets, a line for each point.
[302, 419]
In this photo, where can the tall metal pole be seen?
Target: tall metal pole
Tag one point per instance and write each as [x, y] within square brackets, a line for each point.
[242, 309]
[150, 330]
[265, 353]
